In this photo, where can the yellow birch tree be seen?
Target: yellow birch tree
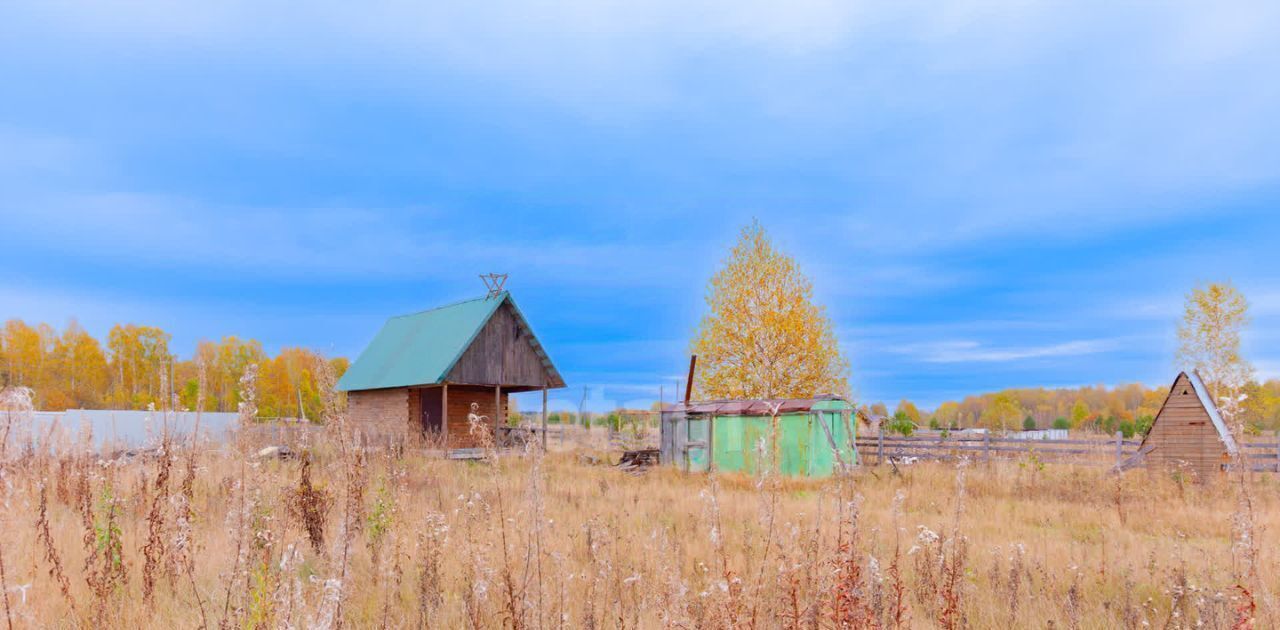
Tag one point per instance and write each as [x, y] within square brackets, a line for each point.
[1003, 412]
[763, 337]
[81, 369]
[909, 410]
[1209, 341]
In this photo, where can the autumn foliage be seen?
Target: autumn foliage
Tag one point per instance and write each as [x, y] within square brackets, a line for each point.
[763, 336]
[71, 370]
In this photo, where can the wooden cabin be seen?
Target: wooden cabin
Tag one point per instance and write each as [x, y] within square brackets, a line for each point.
[1188, 431]
[422, 372]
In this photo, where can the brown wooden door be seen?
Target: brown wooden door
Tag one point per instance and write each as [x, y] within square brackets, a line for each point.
[432, 410]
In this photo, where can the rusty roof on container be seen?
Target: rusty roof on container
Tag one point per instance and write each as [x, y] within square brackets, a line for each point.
[746, 407]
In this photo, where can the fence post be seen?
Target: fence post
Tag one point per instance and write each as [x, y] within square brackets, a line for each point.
[880, 445]
[711, 443]
[544, 418]
[1278, 450]
[1119, 448]
[986, 447]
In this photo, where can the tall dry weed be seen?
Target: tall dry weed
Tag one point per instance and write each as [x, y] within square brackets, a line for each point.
[393, 537]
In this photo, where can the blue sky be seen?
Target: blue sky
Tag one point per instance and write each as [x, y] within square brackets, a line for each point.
[985, 195]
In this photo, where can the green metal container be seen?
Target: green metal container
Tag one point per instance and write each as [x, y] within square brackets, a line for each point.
[812, 437]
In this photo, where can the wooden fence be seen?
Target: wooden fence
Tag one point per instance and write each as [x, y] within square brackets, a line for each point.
[1262, 456]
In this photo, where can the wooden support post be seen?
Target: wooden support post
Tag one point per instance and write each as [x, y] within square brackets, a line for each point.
[499, 420]
[853, 441]
[986, 446]
[711, 443]
[688, 388]
[681, 432]
[544, 419]
[880, 445]
[1119, 448]
[666, 437]
[444, 414]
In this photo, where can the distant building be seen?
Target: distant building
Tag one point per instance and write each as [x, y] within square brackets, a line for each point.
[1039, 434]
[423, 371]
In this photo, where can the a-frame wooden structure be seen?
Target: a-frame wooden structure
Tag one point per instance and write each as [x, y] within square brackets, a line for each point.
[1188, 432]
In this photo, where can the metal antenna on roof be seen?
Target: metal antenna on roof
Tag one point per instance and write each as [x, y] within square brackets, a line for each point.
[493, 282]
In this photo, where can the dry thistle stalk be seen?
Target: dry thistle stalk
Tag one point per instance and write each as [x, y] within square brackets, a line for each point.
[849, 602]
[16, 403]
[1072, 604]
[288, 598]
[4, 587]
[6, 485]
[432, 538]
[1013, 585]
[105, 570]
[189, 475]
[899, 613]
[154, 550]
[242, 513]
[767, 493]
[952, 613]
[309, 505]
[51, 555]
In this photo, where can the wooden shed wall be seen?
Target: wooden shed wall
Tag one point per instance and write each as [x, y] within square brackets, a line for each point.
[501, 354]
[1183, 432]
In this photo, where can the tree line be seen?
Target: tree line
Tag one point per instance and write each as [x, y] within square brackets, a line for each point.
[71, 369]
[1209, 335]
[1128, 408]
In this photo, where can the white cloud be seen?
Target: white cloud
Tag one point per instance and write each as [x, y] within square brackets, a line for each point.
[904, 132]
[1089, 116]
[1267, 369]
[54, 306]
[329, 243]
[1264, 302]
[975, 352]
[30, 155]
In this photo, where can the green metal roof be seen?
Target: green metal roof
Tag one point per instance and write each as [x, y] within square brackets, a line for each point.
[422, 348]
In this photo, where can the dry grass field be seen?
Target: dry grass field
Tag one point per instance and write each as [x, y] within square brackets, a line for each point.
[209, 536]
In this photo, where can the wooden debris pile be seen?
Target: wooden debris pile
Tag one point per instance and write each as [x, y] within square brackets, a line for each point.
[636, 461]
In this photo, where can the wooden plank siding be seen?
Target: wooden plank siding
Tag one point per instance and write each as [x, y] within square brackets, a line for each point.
[1184, 432]
[501, 354]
